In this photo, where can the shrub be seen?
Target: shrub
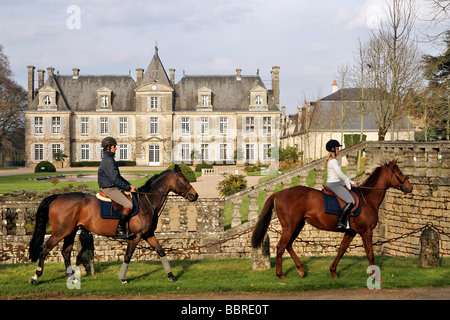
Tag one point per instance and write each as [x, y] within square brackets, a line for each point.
[232, 184]
[200, 166]
[45, 166]
[186, 170]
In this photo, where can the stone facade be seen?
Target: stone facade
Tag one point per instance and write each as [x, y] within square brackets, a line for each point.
[154, 120]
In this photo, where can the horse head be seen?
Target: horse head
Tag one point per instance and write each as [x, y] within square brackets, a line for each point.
[400, 181]
[182, 186]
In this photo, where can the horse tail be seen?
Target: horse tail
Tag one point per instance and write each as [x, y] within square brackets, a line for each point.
[40, 226]
[263, 223]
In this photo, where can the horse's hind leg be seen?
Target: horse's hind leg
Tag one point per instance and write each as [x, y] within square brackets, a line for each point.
[298, 263]
[46, 248]
[67, 251]
[285, 239]
[162, 255]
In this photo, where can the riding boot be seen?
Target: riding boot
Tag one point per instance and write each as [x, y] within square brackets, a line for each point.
[122, 228]
[342, 222]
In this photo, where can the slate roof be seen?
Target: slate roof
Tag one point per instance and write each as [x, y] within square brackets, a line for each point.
[155, 72]
[228, 94]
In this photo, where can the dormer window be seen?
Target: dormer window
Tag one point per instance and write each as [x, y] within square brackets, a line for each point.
[47, 101]
[47, 98]
[204, 99]
[104, 99]
[258, 101]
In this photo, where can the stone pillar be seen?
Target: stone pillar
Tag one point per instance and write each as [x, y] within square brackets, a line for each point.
[236, 221]
[429, 249]
[20, 222]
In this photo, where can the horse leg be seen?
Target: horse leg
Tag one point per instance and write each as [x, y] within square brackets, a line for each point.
[127, 258]
[298, 263]
[368, 247]
[67, 251]
[162, 255]
[46, 248]
[285, 239]
[344, 245]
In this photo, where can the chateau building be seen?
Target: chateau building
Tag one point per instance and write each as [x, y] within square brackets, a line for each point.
[216, 118]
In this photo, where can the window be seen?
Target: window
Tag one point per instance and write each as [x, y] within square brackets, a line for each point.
[56, 147]
[153, 122]
[267, 125]
[84, 125]
[123, 151]
[204, 126]
[205, 101]
[123, 125]
[104, 125]
[185, 152]
[185, 126]
[38, 125]
[56, 125]
[250, 152]
[152, 102]
[223, 125]
[104, 101]
[258, 100]
[250, 125]
[47, 101]
[39, 151]
[153, 154]
[85, 152]
[266, 148]
[205, 151]
[223, 151]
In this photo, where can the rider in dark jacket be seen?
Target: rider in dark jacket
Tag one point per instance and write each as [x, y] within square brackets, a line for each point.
[112, 184]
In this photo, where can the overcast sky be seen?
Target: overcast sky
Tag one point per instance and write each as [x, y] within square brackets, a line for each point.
[307, 39]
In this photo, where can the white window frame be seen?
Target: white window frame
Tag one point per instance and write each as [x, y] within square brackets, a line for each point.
[123, 151]
[56, 125]
[258, 100]
[38, 152]
[104, 125]
[249, 125]
[104, 103]
[85, 152]
[267, 124]
[84, 125]
[185, 125]
[204, 125]
[205, 101]
[152, 103]
[153, 123]
[56, 147]
[47, 101]
[205, 151]
[38, 125]
[156, 149]
[185, 152]
[250, 152]
[123, 125]
[223, 125]
[223, 151]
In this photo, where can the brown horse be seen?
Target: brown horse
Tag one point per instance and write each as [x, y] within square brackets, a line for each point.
[67, 212]
[297, 205]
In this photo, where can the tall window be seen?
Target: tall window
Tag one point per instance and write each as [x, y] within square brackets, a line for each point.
[123, 125]
[250, 125]
[267, 125]
[204, 125]
[258, 100]
[38, 125]
[266, 148]
[223, 125]
[85, 152]
[104, 125]
[153, 122]
[56, 147]
[123, 151]
[223, 151]
[205, 101]
[47, 101]
[38, 151]
[152, 102]
[185, 126]
[56, 125]
[185, 152]
[104, 101]
[84, 125]
[250, 152]
[205, 154]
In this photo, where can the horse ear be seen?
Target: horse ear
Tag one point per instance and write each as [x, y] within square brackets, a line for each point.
[393, 162]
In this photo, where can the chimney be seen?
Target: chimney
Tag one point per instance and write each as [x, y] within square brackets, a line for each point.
[276, 85]
[334, 87]
[50, 71]
[139, 76]
[40, 78]
[76, 73]
[172, 76]
[238, 74]
[30, 84]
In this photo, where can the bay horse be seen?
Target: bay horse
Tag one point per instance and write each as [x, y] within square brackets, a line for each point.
[67, 212]
[300, 204]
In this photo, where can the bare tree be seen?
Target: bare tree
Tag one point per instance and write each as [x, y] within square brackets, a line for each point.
[394, 58]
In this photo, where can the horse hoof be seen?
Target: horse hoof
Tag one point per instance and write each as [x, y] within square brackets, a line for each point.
[171, 279]
[282, 277]
[301, 273]
[124, 281]
[32, 281]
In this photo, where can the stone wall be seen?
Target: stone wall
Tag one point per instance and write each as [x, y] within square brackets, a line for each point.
[196, 230]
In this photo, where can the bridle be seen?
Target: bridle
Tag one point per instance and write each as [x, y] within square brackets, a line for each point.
[401, 187]
[184, 193]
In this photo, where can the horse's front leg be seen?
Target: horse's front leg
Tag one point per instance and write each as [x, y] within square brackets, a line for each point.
[368, 247]
[344, 245]
[162, 255]
[127, 258]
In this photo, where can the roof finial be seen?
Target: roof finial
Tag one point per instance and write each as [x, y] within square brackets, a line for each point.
[156, 47]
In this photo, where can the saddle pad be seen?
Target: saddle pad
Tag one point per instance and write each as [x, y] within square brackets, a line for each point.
[332, 206]
[106, 211]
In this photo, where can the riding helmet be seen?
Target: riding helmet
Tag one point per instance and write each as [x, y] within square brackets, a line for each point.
[108, 141]
[331, 144]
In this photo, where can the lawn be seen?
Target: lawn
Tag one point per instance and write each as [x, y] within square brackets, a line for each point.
[218, 275]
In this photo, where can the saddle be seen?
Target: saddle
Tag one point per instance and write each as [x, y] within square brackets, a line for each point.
[334, 205]
[109, 209]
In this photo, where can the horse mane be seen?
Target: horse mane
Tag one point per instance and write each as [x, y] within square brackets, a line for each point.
[151, 183]
[372, 180]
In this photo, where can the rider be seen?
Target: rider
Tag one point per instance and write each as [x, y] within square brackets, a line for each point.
[112, 184]
[337, 180]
